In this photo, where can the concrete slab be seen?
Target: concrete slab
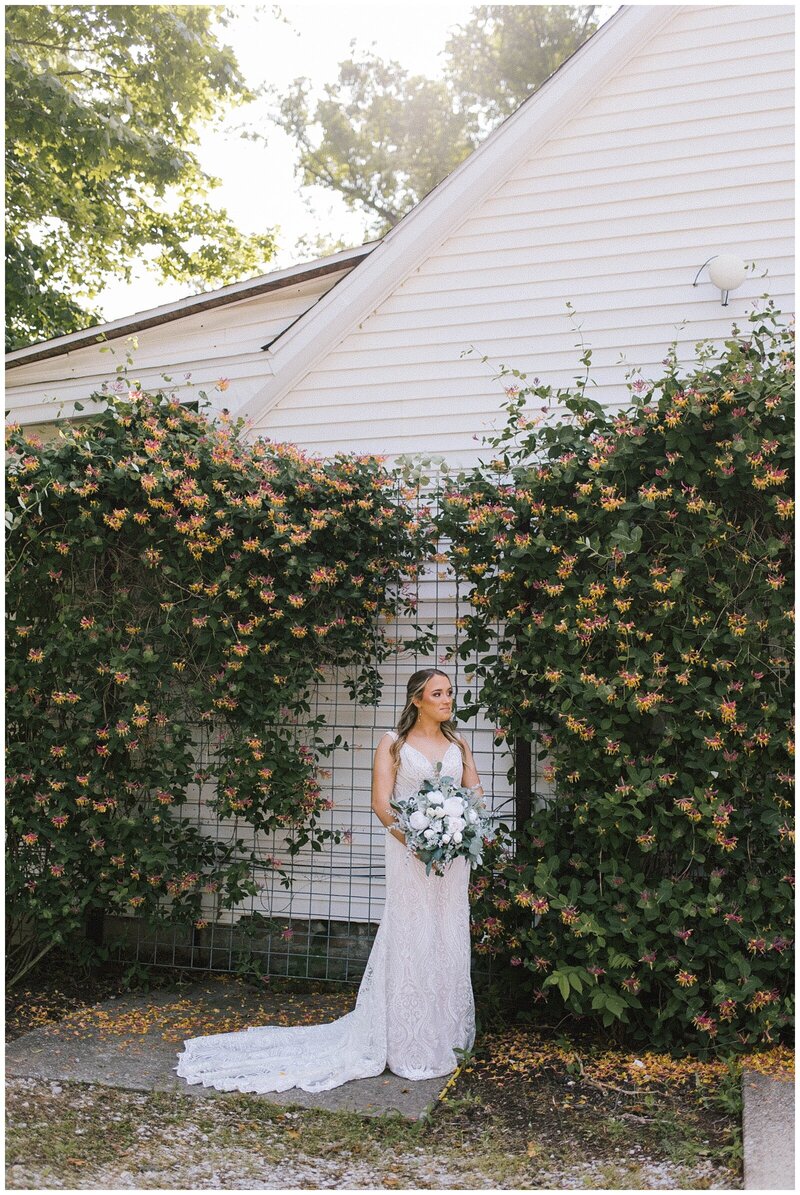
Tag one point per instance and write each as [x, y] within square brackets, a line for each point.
[768, 1132]
[132, 1042]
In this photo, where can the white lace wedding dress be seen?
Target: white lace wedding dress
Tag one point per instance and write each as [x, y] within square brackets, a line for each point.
[414, 1004]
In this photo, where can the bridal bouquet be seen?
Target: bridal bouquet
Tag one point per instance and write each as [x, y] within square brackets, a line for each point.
[443, 821]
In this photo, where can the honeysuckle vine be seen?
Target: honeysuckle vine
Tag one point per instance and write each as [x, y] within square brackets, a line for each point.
[164, 577]
[639, 566]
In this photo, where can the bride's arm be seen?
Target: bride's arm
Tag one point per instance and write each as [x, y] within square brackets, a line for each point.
[470, 777]
[383, 773]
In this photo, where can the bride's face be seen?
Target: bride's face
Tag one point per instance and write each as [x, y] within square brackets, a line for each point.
[436, 700]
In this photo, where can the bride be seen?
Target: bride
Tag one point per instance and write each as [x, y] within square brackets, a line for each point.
[415, 1004]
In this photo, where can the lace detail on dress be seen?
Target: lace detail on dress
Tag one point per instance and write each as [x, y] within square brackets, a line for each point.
[414, 1003]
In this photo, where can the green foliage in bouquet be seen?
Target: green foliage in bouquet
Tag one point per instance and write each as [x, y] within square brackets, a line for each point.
[166, 577]
[639, 566]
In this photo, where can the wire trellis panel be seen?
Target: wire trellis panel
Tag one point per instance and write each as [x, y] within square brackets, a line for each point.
[323, 924]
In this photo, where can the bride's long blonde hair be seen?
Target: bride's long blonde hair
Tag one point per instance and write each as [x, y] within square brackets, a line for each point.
[408, 718]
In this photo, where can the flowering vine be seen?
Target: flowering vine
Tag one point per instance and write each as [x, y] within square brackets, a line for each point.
[638, 564]
[169, 579]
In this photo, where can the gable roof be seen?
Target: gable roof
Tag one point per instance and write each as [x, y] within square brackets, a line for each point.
[346, 259]
[306, 342]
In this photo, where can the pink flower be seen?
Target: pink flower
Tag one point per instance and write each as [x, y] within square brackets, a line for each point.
[762, 998]
[705, 1023]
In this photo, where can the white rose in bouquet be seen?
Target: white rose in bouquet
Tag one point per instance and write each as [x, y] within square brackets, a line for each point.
[443, 821]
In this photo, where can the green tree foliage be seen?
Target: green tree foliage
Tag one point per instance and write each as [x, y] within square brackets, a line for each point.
[103, 107]
[504, 52]
[170, 584]
[631, 588]
[388, 137]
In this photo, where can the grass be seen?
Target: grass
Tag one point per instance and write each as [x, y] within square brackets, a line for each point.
[87, 1134]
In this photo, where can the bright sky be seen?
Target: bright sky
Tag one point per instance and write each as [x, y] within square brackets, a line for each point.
[259, 188]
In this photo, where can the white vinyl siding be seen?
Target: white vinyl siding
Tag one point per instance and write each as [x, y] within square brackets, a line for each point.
[685, 152]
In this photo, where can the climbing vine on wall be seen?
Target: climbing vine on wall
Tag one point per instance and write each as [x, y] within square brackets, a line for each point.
[640, 565]
[165, 574]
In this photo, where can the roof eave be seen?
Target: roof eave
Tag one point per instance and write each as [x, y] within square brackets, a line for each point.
[347, 259]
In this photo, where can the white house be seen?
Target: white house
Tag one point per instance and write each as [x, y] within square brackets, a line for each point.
[665, 140]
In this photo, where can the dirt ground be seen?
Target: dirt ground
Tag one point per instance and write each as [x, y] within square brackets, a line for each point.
[528, 1110]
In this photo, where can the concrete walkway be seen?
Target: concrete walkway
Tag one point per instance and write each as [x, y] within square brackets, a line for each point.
[132, 1042]
[768, 1132]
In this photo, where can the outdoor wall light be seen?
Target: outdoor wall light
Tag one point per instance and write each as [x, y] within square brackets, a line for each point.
[725, 271]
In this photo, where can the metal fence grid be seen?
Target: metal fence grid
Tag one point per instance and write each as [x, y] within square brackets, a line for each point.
[323, 925]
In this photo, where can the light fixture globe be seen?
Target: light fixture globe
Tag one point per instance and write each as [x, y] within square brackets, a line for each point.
[727, 271]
